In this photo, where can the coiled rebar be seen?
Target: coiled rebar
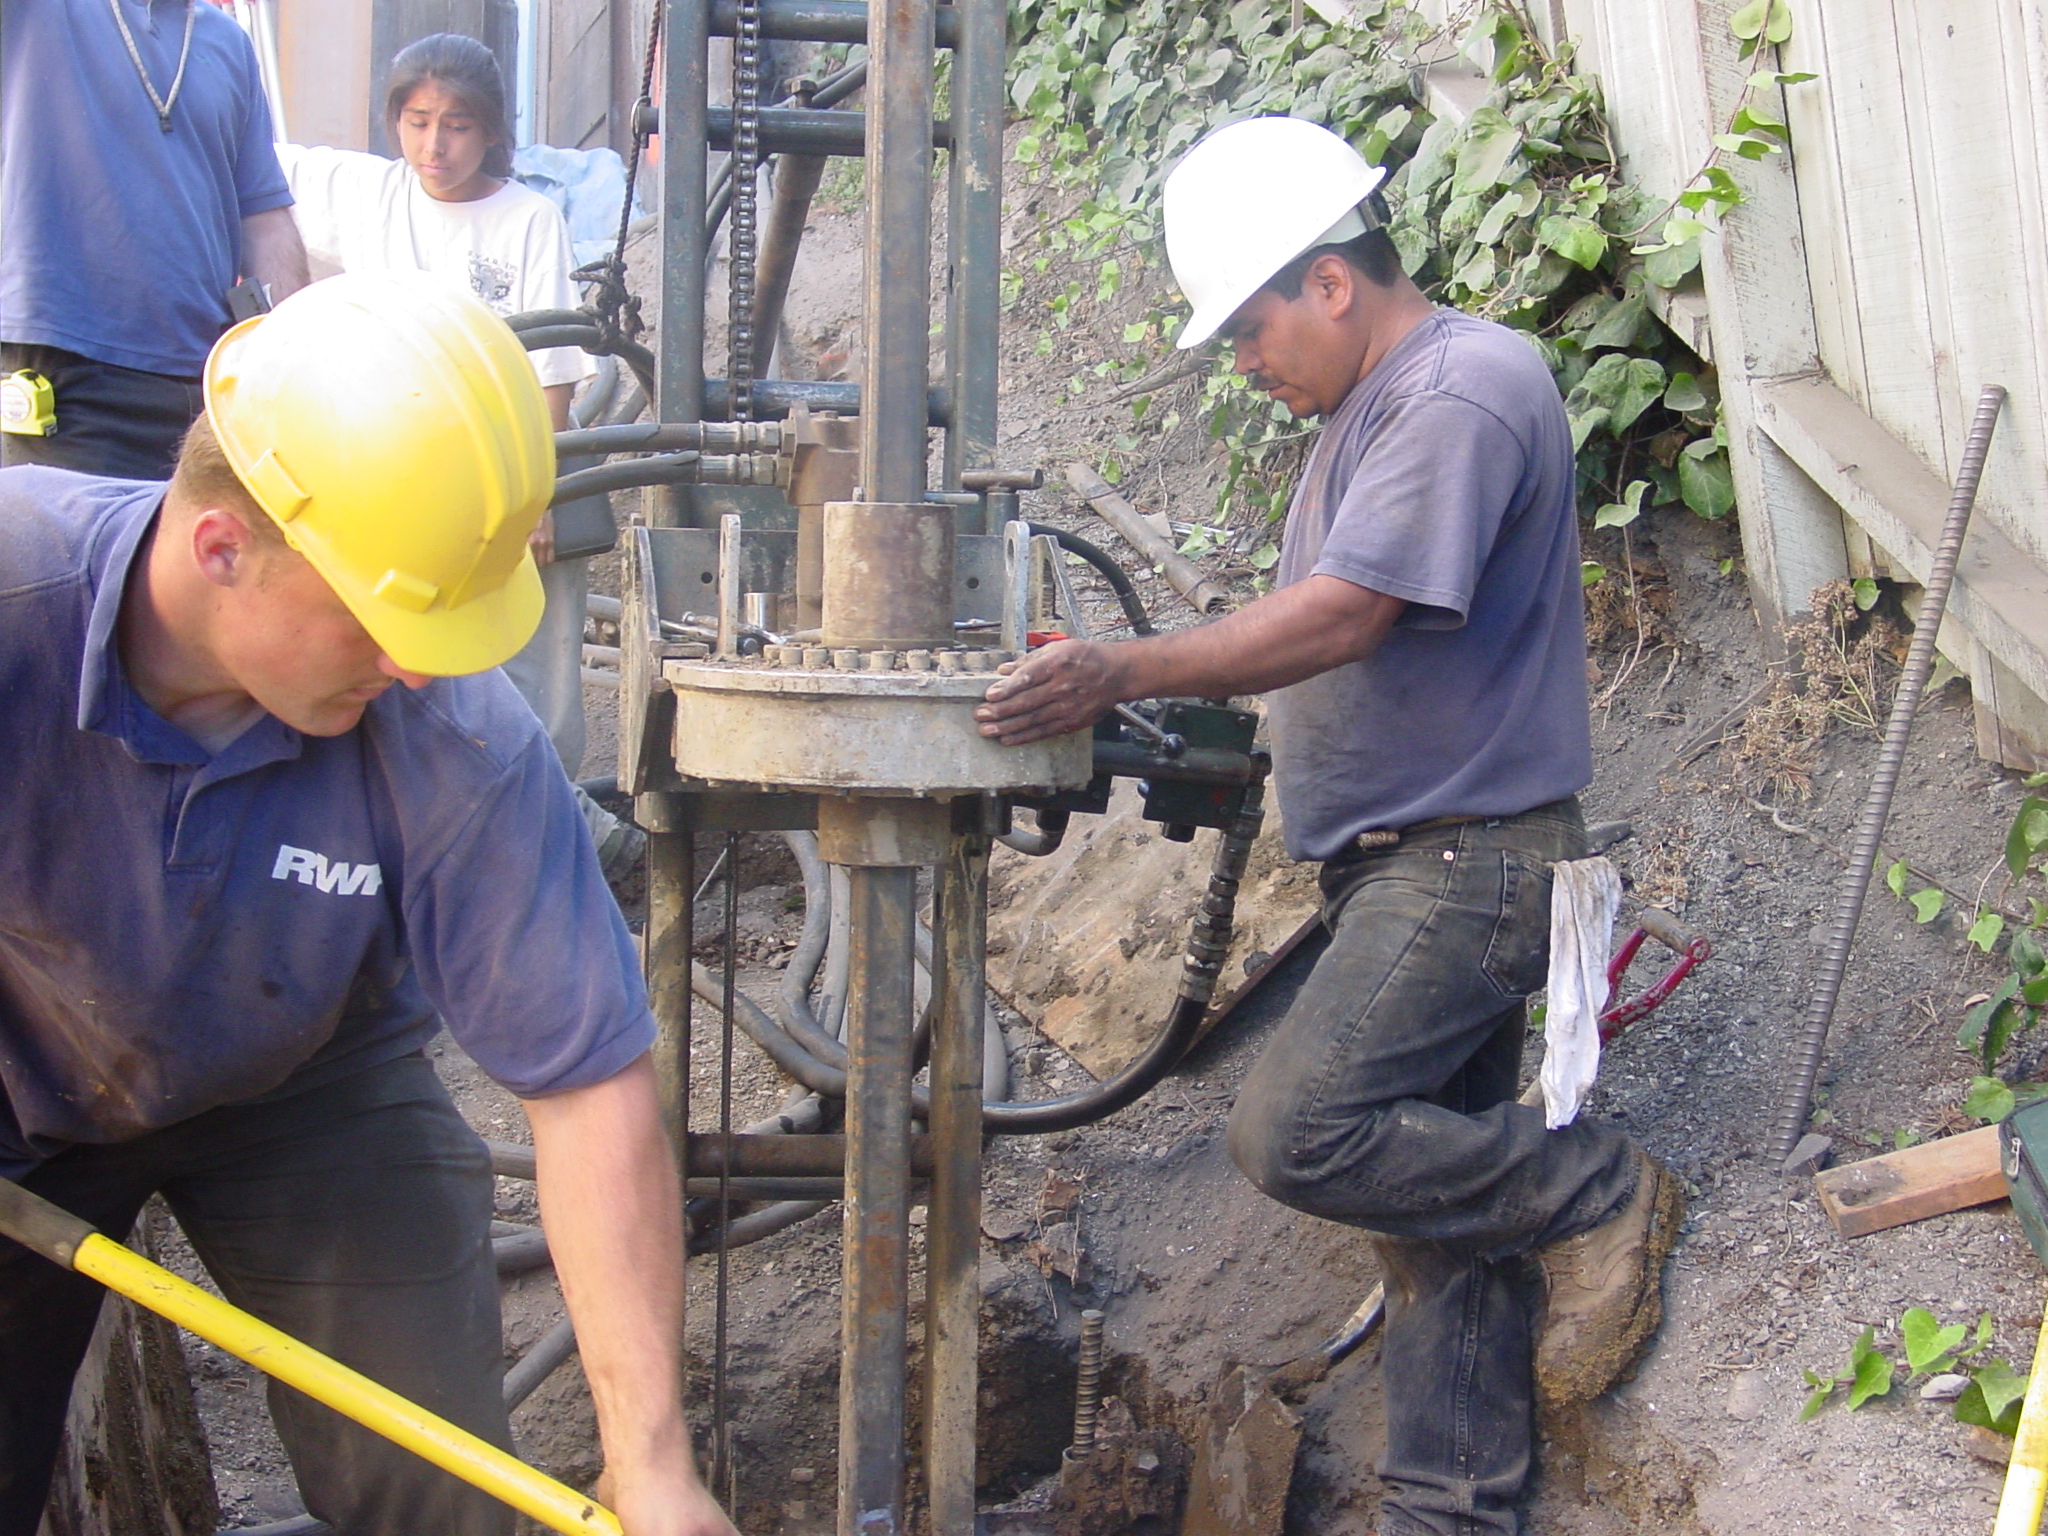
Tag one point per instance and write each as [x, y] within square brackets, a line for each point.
[1877, 804]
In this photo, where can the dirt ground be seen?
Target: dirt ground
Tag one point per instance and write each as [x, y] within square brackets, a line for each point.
[1195, 1270]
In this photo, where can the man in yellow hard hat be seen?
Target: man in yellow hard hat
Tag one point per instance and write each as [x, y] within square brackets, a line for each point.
[1425, 654]
[272, 820]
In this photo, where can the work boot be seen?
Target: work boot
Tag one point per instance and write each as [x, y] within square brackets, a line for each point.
[1602, 1291]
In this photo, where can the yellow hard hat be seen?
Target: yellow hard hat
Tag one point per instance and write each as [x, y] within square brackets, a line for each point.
[396, 432]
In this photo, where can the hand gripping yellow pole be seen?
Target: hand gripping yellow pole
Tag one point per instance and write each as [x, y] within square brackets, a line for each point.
[63, 1239]
[2026, 1476]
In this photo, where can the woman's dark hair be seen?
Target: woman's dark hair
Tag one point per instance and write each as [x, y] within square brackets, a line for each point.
[466, 67]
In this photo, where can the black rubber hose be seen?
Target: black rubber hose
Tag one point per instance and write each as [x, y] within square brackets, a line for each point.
[624, 474]
[1052, 831]
[541, 329]
[1208, 943]
[1119, 580]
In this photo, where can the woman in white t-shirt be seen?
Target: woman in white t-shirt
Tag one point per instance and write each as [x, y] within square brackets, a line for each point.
[448, 206]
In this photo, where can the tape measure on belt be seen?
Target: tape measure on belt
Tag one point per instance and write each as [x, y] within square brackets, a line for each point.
[28, 404]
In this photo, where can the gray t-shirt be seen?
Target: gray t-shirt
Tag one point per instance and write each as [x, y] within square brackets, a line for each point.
[1445, 479]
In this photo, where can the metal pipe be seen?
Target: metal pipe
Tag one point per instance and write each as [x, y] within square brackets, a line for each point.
[796, 183]
[65, 1240]
[776, 397]
[1182, 574]
[807, 131]
[953, 1224]
[875, 1289]
[1877, 804]
[974, 231]
[817, 21]
[898, 142]
[671, 882]
[685, 105]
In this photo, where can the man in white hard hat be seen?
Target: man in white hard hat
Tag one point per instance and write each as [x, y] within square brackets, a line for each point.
[273, 819]
[1424, 648]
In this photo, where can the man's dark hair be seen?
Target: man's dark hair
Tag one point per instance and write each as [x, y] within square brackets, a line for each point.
[470, 70]
[1371, 254]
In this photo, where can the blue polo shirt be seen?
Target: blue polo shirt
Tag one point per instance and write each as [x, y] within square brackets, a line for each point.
[122, 240]
[180, 931]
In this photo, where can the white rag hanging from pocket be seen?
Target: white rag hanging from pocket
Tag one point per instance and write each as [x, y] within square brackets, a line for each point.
[1584, 898]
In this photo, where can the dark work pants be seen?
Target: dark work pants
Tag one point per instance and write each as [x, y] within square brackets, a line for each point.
[118, 422]
[356, 1217]
[1387, 1101]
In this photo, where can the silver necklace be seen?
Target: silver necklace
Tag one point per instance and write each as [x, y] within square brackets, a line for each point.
[163, 106]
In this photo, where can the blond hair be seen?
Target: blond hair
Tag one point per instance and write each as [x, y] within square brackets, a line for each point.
[203, 478]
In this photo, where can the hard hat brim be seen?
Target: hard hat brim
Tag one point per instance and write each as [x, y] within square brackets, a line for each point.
[485, 632]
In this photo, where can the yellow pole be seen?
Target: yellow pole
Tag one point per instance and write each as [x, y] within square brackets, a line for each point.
[2026, 1476]
[348, 1392]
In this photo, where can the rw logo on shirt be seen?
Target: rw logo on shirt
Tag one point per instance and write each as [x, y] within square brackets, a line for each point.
[310, 868]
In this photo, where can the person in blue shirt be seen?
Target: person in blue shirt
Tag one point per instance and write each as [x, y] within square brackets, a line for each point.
[137, 183]
[273, 818]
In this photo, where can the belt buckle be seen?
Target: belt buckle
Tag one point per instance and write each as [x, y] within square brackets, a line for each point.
[1378, 837]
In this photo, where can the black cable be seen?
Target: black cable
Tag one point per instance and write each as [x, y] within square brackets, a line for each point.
[1106, 566]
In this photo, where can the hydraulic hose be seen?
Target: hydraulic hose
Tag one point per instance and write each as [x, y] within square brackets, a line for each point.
[1105, 564]
[1052, 831]
[1877, 804]
[540, 329]
[624, 474]
[1208, 943]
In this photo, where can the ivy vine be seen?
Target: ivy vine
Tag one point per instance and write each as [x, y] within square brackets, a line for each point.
[1518, 212]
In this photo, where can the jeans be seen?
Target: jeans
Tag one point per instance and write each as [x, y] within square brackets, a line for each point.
[114, 421]
[1386, 1101]
[356, 1217]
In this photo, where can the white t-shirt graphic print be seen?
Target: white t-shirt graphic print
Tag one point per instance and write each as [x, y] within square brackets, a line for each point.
[362, 213]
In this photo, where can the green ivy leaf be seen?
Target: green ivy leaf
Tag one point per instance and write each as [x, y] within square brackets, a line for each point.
[1748, 21]
[1986, 931]
[1706, 480]
[1619, 514]
[1870, 1371]
[1895, 878]
[1684, 394]
[1929, 1346]
[1990, 1099]
[1993, 1398]
[1668, 265]
[1864, 590]
[1577, 240]
[2026, 954]
[2029, 833]
[1978, 1020]
[1927, 904]
[1620, 326]
[1591, 571]
[1490, 142]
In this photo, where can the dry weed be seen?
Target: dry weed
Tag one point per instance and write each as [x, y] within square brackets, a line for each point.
[1657, 871]
[1842, 665]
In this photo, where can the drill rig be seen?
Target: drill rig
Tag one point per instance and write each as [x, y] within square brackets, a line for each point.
[807, 624]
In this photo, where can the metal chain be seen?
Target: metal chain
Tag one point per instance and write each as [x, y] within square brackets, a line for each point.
[746, 169]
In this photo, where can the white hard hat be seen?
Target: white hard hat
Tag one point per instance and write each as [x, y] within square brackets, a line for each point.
[1249, 199]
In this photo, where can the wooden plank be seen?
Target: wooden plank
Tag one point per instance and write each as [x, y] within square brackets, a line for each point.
[1823, 170]
[2001, 594]
[1922, 1181]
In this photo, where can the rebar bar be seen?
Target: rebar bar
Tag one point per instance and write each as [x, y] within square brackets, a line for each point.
[1088, 1383]
[1877, 805]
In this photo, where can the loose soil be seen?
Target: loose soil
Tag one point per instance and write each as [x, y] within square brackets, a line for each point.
[1144, 1216]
